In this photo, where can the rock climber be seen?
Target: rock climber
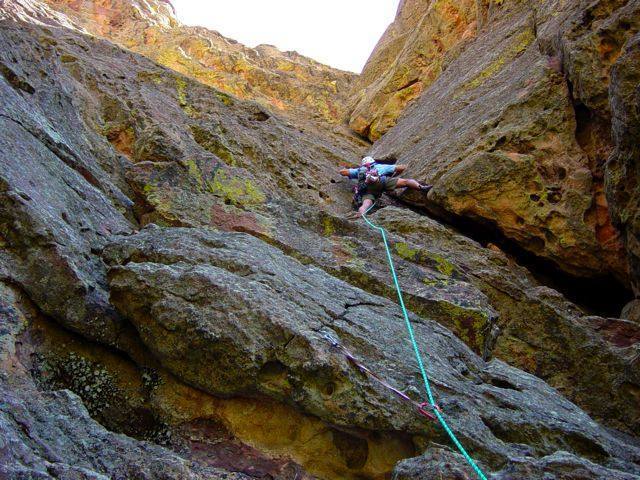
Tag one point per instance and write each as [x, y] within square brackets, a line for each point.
[376, 178]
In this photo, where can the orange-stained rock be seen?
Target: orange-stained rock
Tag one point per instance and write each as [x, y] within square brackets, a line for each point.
[286, 81]
[408, 58]
[249, 435]
[515, 131]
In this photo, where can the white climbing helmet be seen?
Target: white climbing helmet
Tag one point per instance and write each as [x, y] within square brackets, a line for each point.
[366, 161]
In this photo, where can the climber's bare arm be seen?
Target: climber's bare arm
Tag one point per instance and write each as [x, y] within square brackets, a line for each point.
[344, 172]
[400, 168]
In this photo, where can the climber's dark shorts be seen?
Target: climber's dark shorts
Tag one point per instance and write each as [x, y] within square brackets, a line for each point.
[389, 185]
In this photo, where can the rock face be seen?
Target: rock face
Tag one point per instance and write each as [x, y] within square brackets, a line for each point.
[622, 170]
[537, 329]
[49, 434]
[515, 131]
[559, 466]
[251, 321]
[175, 256]
[408, 58]
[284, 81]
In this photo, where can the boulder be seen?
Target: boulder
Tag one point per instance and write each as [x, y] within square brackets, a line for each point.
[231, 315]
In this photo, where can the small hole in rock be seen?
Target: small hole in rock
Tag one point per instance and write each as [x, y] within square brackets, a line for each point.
[329, 389]
[554, 197]
[562, 173]
[500, 383]
[261, 116]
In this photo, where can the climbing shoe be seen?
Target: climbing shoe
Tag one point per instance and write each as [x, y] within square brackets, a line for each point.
[425, 188]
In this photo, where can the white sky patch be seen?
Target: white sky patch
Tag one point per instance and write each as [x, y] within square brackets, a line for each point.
[340, 33]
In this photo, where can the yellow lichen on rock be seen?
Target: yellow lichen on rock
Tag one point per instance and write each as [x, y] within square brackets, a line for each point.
[151, 403]
[235, 191]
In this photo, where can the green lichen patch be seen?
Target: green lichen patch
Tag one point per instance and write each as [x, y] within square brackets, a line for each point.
[235, 191]
[179, 62]
[443, 265]
[160, 202]
[195, 173]
[404, 251]
[470, 327]
[181, 90]
[437, 282]
[88, 379]
[425, 257]
[224, 98]
[213, 143]
[519, 45]
[329, 225]
[47, 41]
[66, 58]
[154, 77]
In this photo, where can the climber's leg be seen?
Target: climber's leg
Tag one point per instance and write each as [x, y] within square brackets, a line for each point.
[367, 201]
[412, 184]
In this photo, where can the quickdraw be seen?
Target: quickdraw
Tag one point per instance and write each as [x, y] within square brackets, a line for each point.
[420, 407]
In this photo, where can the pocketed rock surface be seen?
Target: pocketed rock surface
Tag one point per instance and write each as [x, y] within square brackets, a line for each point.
[516, 130]
[174, 258]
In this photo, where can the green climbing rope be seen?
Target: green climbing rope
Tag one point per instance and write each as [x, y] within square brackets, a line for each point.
[416, 350]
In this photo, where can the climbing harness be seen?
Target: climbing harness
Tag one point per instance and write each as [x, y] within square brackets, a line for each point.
[432, 404]
[420, 407]
[367, 175]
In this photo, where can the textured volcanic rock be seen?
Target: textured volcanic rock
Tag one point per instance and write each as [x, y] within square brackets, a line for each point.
[623, 170]
[75, 190]
[559, 466]
[539, 330]
[483, 297]
[218, 334]
[256, 436]
[82, 131]
[282, 80]
[407, 59]
[51, 435]
[57, 201]
[489, 302]
[514, 132]
[231, 315]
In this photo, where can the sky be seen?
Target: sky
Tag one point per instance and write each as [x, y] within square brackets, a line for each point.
[340, 33]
